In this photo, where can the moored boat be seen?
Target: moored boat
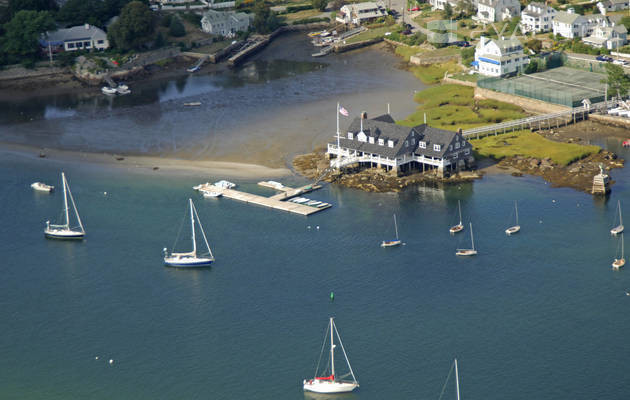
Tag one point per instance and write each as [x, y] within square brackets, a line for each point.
[619, 228]
[42, 187]
[516, 228]
[190, 259]
[108, 90]
[459, 227]
[471, 251]
[65, 231]
[620, 262]
[392, 243]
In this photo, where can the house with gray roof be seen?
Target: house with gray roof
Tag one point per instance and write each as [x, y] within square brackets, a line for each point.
[537, 17]
[497, 10]
[499, 57]
[571, 25]
[607, 6]
[380, 142]
[359, 13]
[81, 37]
[225, 23]
[607, 35]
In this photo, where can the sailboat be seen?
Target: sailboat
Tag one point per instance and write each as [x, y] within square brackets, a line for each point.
[332, 383]
[392, 243]
[459, 227]
[468, 252]
[456, 379]
[620, 262]
[190, 259]
[516, 228]
[619, 228]
[65, 231]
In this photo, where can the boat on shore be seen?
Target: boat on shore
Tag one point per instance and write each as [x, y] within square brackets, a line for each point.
[42, 187]
[65, 231]
[190, 259]
[332, 383]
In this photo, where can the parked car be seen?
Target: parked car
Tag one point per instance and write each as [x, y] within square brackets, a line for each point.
[461, 43]
[620, 62]
[604, 58]
[416, 8]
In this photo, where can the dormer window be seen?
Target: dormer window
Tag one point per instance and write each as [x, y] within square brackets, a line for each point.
[437, 147]
[371, 139]
[413, 141]
[406, 143]
[422, 145]
[381, 142]
[390, 143]
[456, 145]
[350, 135]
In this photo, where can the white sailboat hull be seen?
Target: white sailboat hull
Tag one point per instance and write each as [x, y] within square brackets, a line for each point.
[390, 243]
[63, 234]
[616, 230]
[326, 386]
[619, 263]
[188, 261]
[466, 252]
[456, 228]
[512, 230]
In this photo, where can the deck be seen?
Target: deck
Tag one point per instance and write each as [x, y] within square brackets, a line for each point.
[278, 201]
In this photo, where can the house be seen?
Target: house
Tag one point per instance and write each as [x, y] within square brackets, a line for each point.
[612, 5]
[497, 10]
[441, 4]
[537, 17]
[359, 13]
[81, 37]
[224, 23]
[499, 57]
[570, 25]
[380, 142]
[608, 35]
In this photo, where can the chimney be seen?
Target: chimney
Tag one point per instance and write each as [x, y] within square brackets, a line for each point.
[571, 10]
[87, 26]
[363, 115]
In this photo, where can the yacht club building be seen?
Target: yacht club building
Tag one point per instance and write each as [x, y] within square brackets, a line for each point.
[380, 142]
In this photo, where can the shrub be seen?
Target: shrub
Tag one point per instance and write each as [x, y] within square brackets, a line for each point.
[176, 29]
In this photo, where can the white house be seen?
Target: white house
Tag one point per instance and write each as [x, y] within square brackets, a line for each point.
[497, 10]
[361, 12]
[441, 4]
[608, 35]
[499, 57]
[571, 25]
[224, 23]
[612, 5]
[537, 17]
[81, 37]
[380, 142]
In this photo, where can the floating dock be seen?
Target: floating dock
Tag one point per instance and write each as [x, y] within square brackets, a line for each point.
[278, 201]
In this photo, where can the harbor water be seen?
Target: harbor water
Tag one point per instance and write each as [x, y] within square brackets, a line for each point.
[539, 315]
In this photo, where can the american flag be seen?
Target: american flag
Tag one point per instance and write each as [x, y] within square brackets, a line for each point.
[343, 111]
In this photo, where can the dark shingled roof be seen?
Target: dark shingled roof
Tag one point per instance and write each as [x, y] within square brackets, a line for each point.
[384, 127]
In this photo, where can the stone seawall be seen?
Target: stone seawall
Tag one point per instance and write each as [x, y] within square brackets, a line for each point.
[530, 105]
[347, 47]
[611, 120]
[19, 72]
[458, 82]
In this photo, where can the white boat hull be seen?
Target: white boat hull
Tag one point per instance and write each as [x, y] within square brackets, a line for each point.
[326, 386]
[512, 230]
[619, 263]
[466, 252]
[63, 234]
[188, 262]
[616, 230]
[208, 194]
[456, 228]
[42, 187]
[390, 243]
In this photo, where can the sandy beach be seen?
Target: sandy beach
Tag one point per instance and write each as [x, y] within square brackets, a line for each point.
[147, 164]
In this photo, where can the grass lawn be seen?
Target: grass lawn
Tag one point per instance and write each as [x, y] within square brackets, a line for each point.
[430, 74]
[453, 106]
[373, 33]
[407, 51]
[465, 77]
[530, 144]
[302, 14]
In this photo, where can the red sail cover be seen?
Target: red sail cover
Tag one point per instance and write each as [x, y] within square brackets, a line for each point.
[327, 378]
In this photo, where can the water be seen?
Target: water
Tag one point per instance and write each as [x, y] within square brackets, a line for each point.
[537, 315]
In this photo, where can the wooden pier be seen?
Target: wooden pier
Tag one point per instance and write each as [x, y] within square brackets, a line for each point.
[278, 201]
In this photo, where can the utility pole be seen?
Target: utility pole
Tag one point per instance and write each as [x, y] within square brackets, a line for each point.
[49, 54]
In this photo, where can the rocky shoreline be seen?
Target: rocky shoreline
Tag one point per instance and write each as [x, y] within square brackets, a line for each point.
[312, 165]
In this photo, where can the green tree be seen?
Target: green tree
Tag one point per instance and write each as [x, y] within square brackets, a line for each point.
[133, 28]
[534, 44]
[448, 11]
[465, 8]
[532, 66]
[618, 82]
[626, 22]
[165, 20]
[21, 39]
[319, 4]
[176, 28]
[78, 12]
[265, 20]
[16, 6]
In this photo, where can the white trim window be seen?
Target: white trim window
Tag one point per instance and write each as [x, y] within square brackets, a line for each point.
[422, 145]
[437, 147]
[350, 135]
[390, 143]
[381, 142]
[371, 139]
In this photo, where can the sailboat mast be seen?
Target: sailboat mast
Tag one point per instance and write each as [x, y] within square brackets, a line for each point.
[205, 239]
[459, 205]
[457, 379]
[396, 226]
[472, 239]
[192, 226]
[516, 208]
[332, 350]
[620, 219]
[65, 199]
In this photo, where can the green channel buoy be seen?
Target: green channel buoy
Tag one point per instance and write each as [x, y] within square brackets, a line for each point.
[332, 296]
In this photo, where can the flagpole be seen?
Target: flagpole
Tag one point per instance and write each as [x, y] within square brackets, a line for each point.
[338, 148]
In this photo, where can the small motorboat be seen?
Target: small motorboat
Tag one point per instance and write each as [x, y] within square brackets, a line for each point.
[193, 104]
[42, 187]
[122, 89]
[193, 69]
[322, 205]
[211, 194]
[108, 90]
[223, 184]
